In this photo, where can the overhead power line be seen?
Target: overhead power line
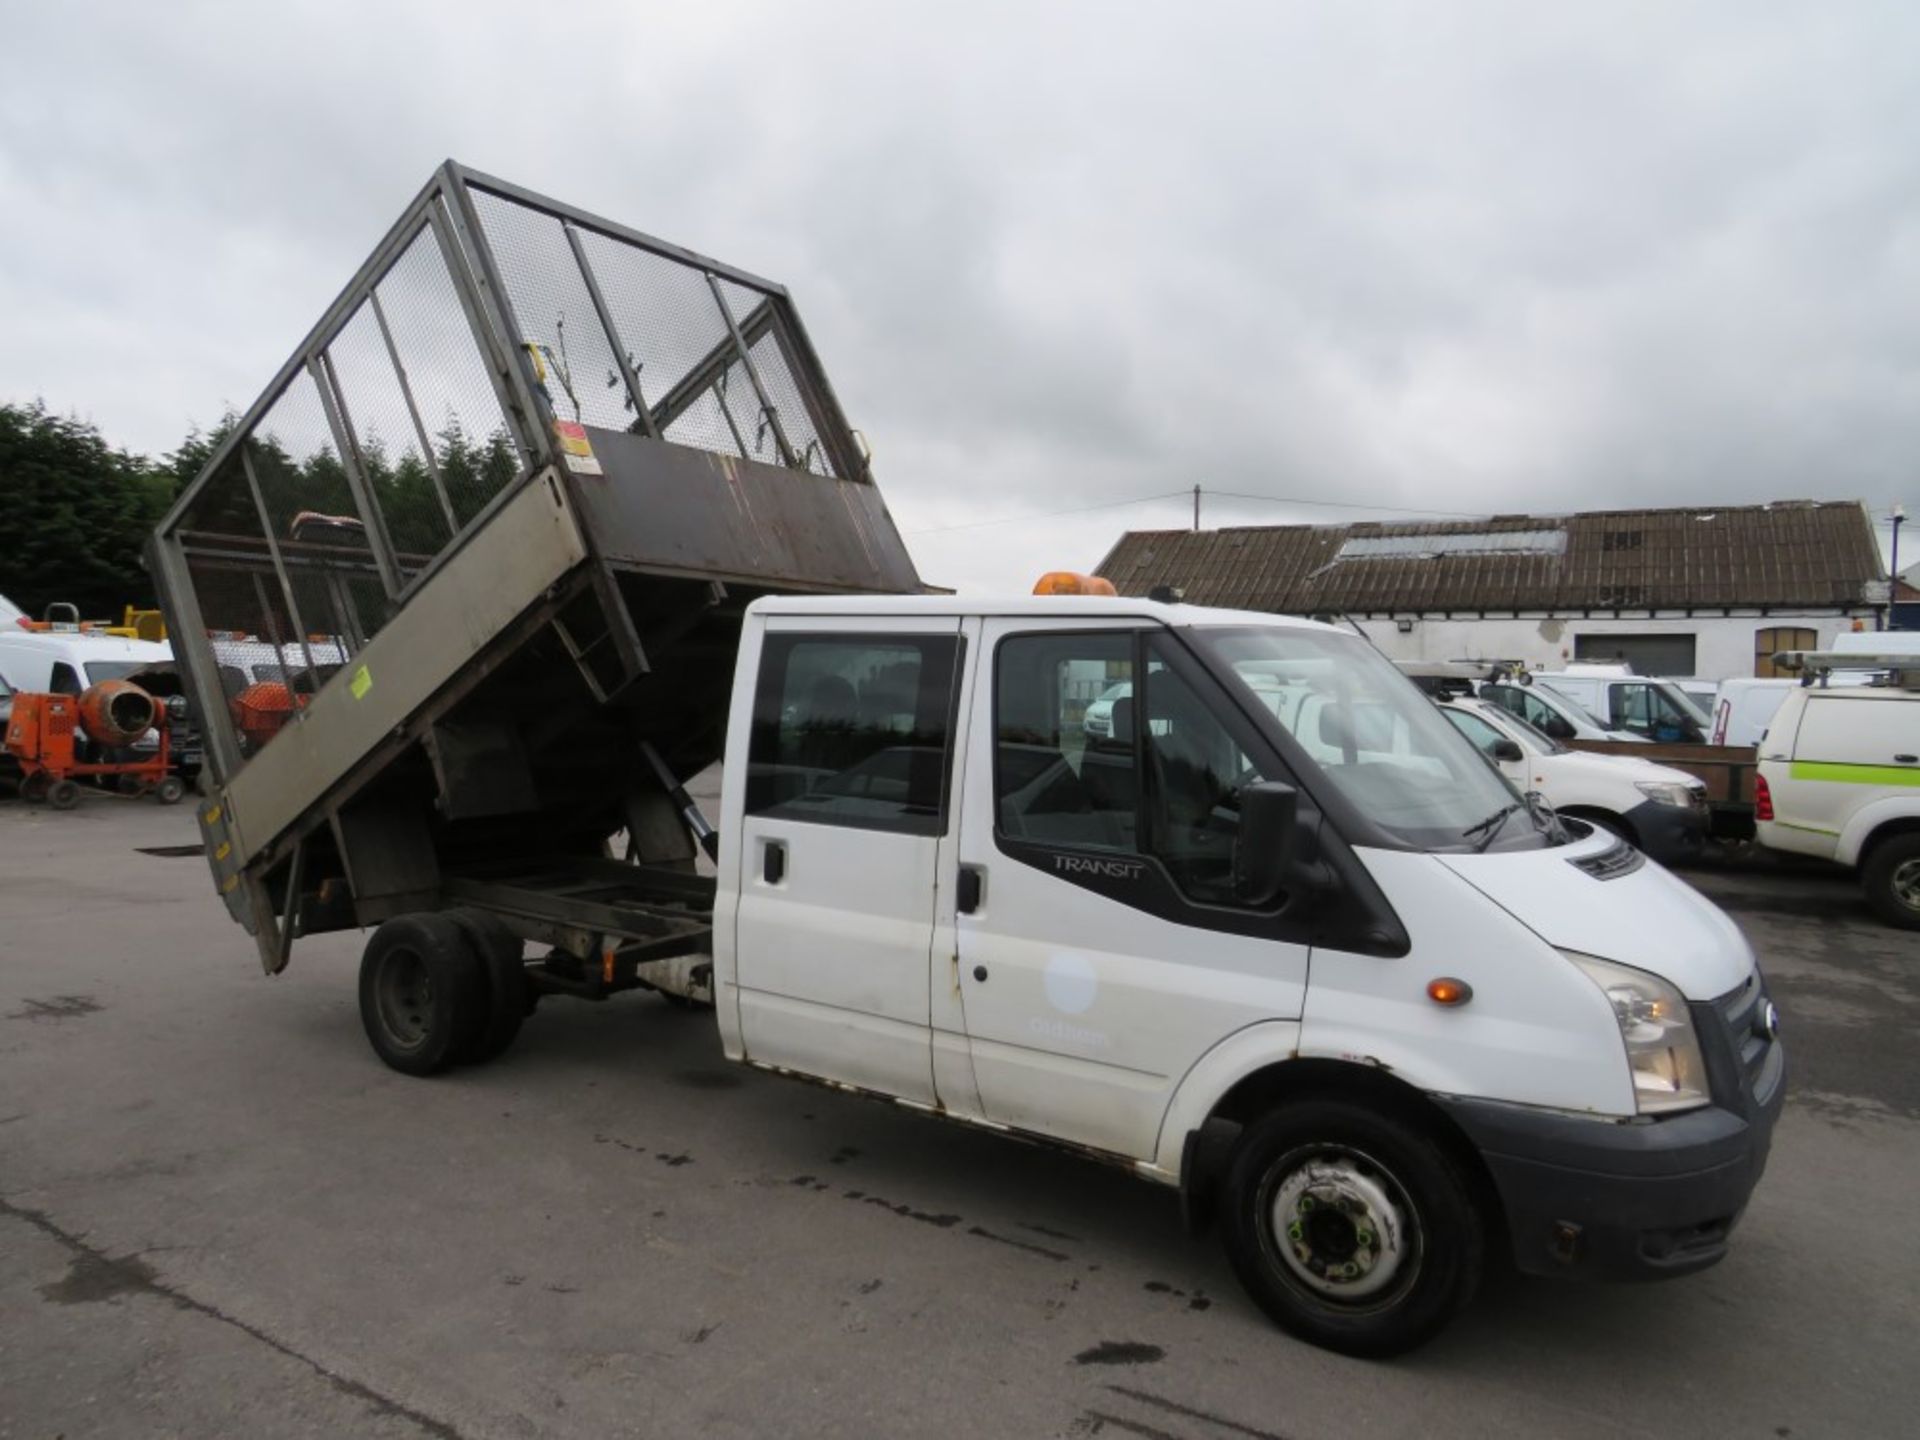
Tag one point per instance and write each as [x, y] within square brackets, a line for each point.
[1184, 494]
[1049, 514]
[1345, 504]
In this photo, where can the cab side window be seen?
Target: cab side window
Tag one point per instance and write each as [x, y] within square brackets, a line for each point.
[1092, 755]
[1064, 769]
[65, 681]
[1645, 711]
[1196, 770]
[855, 730]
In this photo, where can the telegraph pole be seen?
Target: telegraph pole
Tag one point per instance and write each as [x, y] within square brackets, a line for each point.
[1196, 520]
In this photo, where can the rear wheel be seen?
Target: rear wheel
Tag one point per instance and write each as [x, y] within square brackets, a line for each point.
[63, 795]
[34, 787]
[170, 790]
[1892, 881]
[423, 992]
[1351, 1228]
[503, 957]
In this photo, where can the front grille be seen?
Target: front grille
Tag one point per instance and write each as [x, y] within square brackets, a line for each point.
[1755, 1053]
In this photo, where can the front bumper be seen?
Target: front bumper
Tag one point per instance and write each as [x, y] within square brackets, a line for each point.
[1645, 1199]
[1670, 832]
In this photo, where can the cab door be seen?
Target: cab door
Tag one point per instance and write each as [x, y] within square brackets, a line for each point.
[1100, 951]
[846, 798]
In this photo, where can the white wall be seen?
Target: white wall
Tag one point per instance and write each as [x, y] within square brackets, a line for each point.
[1723, 645]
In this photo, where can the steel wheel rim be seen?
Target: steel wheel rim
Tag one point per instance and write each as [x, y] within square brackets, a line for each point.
[1339, 1227]
[403, 998]
[1906, 883]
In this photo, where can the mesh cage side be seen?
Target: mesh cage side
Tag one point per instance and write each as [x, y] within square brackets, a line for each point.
[672, 328]
[311, 511]
[555, 313]
[458, 406]
[261, 668]
[400, 476]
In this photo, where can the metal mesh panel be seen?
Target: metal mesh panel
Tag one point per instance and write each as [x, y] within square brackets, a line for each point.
[770, 362]
[672, 329]
[311, 511]
[252, 633]
[796, 421]
[400, 475]
[555, 312]
[443, 365]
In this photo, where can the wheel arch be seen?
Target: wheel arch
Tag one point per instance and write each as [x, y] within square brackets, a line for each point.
[1206, 1148]
[1873, 825]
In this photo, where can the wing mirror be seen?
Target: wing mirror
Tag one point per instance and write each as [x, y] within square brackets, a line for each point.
[1268, 843]
[1508, 752]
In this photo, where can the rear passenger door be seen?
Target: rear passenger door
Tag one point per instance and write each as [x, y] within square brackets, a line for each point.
[847, 797]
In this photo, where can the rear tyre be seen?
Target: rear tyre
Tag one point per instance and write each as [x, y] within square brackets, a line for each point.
[503, 958]
[422, 990]
[34, 787]
[1892, 881]
[170, 790]
[1350, 1228]
[63, 794]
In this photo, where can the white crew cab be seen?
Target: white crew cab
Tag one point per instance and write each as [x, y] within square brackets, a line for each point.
[1279, 937]
[1839, 777]
[1662, 810]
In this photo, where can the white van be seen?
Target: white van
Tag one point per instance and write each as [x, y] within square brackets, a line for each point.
[1552, 713]
[67, 662]
[1653, 709]
[1744, 708]
[1839, 779]
[1662, 810]
[1313, 962]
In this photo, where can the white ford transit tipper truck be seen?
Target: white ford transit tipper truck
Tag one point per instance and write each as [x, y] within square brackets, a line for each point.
[1272, 933]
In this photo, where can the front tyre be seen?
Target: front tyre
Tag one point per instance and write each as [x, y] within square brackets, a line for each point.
[1351, 1228]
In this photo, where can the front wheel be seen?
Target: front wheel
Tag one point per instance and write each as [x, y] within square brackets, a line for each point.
[1351, 1228]
[1892, 881]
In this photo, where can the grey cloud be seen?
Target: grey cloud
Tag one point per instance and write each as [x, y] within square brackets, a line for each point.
[1476, 257]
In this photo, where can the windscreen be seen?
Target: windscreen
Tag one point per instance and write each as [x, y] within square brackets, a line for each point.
[1382, 743]
[98, 670]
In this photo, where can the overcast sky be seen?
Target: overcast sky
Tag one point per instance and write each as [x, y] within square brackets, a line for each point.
[1461, 257]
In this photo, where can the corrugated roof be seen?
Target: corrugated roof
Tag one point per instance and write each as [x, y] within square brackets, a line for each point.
[1798, 553]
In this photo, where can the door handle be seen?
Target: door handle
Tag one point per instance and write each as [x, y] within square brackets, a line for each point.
[773, 863]
[966, 895]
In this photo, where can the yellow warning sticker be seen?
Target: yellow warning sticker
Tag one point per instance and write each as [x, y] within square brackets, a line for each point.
[213, 816]
[225, 850]
[232, 880]
[361, 683]
[576, 448]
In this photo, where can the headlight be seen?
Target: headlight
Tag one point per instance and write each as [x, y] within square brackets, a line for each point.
[1663, 1053]
[177, 706]
[1662, 792]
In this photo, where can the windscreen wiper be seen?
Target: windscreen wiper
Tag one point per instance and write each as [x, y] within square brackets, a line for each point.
[1491, 825]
